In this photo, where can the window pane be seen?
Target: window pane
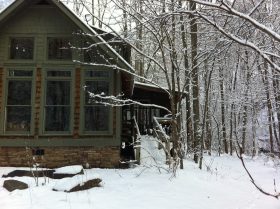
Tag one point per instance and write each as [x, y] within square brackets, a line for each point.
[96, 87]
[58, 49]
[18, 118]
[96, 118]
[20, 73]
[58, 73]
[22, 48]
[57, 118]
[97, 73]
[19, 92]
[58, 93]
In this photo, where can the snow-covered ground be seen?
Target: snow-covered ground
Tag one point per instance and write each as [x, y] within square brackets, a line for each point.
[224, 185]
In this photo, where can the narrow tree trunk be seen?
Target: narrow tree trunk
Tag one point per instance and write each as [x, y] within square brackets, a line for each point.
[276, 91]
[232, 110]
[139, 64]
[195, 87]
[189, 132]
[207, 86]
[269, 106]
[223, 111]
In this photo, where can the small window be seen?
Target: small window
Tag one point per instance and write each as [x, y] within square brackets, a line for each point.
[97, 74]
[21, 48]
[57, 101]
[59, 49]
[20, 73]
[18, 105]
[60, 73]
[92, 52]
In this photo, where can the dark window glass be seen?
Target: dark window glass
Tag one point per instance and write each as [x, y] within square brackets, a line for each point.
[96, 115]
[21, 48]
[96, 87]
[19, 92]
[20, 73]
[57, 118]
[58, 49]
[59, 73]
[57, 110]
[96, 118]
[18, 118]
[97, 74]
[18, 108]
[58, 93]
[93, 53]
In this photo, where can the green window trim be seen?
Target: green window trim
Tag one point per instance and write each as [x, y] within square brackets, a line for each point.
[100, 74]
[19, 99]
[58, 48]
[21, 48]
[56, 104]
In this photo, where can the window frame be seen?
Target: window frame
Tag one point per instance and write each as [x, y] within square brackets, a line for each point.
[82, 130]
[53, 36]
[5, 103]
[43, 105]
[9, 37]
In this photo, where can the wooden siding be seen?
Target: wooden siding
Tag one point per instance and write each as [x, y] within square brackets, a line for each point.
[39, 20]
[37, 104]
[77, 101]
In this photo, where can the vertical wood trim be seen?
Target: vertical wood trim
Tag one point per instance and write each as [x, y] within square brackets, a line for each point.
[77, 108]
[1, 92]
[38, 91]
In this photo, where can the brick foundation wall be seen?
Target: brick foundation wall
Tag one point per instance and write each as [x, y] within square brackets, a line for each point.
[103, 157]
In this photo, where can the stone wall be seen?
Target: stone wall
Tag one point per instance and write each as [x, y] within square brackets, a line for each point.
[53, 157]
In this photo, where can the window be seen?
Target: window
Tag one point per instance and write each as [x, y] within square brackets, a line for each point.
[18, 101]
[57, 101]
[93, 53]
[96, 114]
[21, 48]
[59, 49]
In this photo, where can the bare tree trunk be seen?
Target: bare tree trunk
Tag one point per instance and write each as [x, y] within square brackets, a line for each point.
[269, 106]
[189, 132]
[223, 111]
[254, 132]
[277, 105]
[195, 87]
[92, 10]
[208, 133]
[244, 114]
[207, 86]
[232, 110]
[139, 64]
[125, 25]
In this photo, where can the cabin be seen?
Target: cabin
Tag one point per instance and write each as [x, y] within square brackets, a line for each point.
[49, 60]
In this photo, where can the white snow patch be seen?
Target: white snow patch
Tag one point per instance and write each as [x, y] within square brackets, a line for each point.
[150, 152]
[66, 184]
[73, 169]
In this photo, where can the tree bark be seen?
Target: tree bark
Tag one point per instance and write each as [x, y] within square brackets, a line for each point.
[195, 87]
